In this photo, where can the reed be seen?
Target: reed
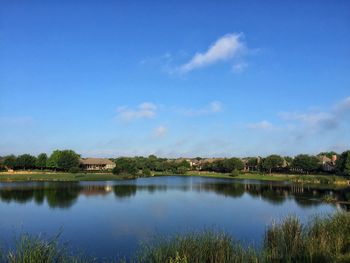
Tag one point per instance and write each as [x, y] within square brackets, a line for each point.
[322, 239]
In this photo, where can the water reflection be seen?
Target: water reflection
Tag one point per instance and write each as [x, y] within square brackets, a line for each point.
[57, 195]
[64, 194]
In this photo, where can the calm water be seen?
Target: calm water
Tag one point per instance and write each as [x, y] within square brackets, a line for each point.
[110, 218]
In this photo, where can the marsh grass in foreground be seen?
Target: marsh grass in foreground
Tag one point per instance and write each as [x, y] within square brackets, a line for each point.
[322, 239]
[36, 249]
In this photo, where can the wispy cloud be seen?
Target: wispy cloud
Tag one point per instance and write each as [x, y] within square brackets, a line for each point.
[262, 125]
[343, 106]
[160, 131]
[239, 67]
[145, 110]
[311, 119]
[225, 48]
[212, 107]
[300, 125]
[16, 121]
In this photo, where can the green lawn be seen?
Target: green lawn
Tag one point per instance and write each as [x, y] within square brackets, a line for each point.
[60, 177]
[262, 177]
[307, 179]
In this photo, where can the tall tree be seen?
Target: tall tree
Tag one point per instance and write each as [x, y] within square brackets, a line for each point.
[41, 161]
[25, 161]
[272, 162]
[10, 161]
[67, 160]
[307, 163]
[343, 164]
[52, 162]
[125, 165]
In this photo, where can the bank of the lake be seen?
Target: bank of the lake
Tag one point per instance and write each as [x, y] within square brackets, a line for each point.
[59, 177]
[107, 176]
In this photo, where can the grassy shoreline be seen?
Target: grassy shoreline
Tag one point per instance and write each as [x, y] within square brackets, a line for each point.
[61, 177]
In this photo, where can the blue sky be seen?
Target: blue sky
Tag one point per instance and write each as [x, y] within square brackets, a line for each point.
[174, 78]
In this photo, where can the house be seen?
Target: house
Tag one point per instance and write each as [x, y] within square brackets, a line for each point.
[96, 164]
[328, 164]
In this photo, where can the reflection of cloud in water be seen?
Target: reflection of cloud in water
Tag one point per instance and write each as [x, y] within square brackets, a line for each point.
[136, 229]
[159, 210]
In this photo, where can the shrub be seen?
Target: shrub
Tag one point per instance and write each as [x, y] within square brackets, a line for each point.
[234, 173]
[146, 172]
[74, 170]
[181, 170]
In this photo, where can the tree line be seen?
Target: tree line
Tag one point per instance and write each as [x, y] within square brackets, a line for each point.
[59, 160]
[302, 163]
[68, 160]
[146, 165]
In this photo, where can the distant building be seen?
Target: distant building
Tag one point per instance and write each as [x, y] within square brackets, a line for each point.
[328, 165]
[96, 164]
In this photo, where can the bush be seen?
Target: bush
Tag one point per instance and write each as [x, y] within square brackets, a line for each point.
[146, 172]
[74, 170]
[234, 173]
[181, 170]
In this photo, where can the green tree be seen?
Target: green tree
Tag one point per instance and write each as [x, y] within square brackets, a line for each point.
[52, 162]
[184, 163]
[307, 163]
[272, 162]
[41, 161]
[231, 164]
[10, 161]
[327, 154]
[253, 161]
[25, 161]
[67, 160]
[146, 172]
[181, 170]
[125, 166]
[343, 164]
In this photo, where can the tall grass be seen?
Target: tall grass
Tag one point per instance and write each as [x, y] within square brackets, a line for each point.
[207, 246]
[36, 249]
[322, 239]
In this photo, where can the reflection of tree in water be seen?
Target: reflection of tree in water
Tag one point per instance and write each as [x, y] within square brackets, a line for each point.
[18, 195]
[277, 193]
[124, 191]
[62, 195]
[231, 189]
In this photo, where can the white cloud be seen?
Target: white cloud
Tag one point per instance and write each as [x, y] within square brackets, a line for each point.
[145, 110]
[212, 107]
[309, 118]
[239, 67]
[343, 106]
[262, 125]
[224, 48]
[160, 131]
[215, 106]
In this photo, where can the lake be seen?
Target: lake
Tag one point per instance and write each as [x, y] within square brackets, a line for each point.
[107, 219]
